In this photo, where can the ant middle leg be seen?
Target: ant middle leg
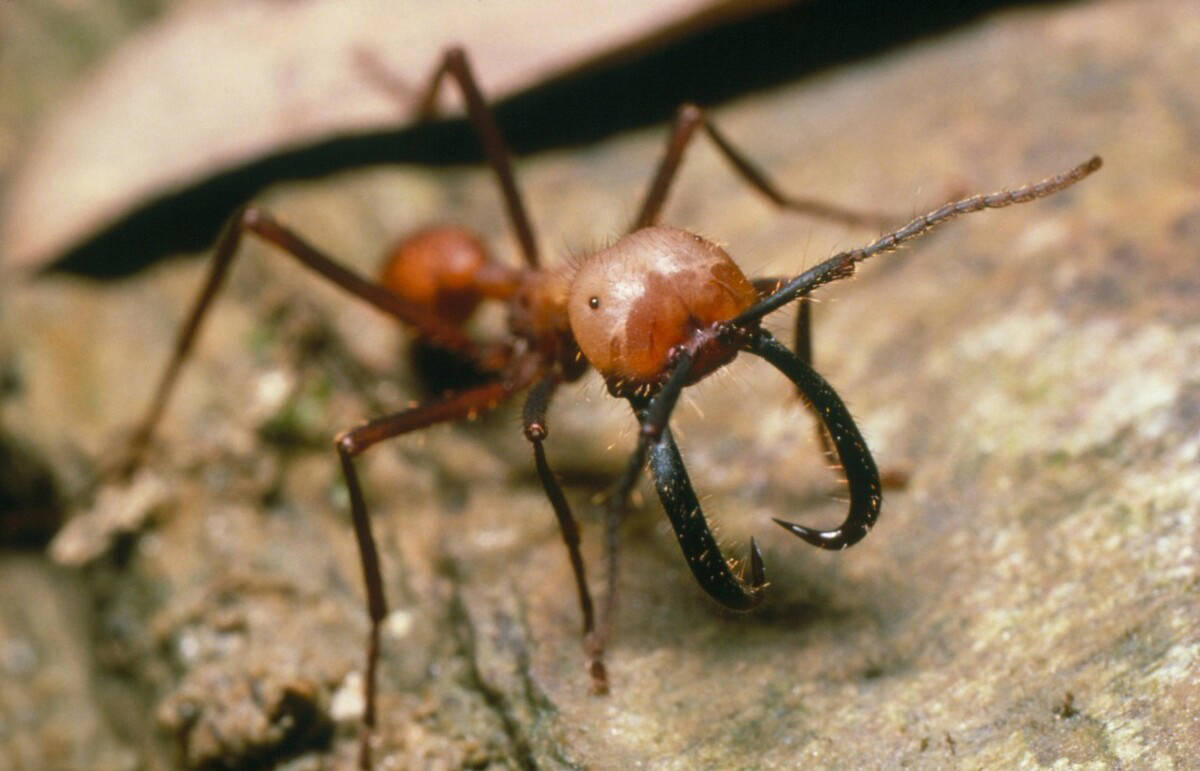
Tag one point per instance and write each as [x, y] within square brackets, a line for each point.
[352, 443]
[688, 119]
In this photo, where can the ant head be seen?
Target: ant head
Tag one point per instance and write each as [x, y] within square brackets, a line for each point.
[632, 305]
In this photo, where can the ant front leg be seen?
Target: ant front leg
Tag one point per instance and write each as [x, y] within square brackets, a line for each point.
[536, 431]
[251, 219]
[350, 444]
[804, 351]
[803, 337]
[893, 478]
[653, 413]
[691, 117]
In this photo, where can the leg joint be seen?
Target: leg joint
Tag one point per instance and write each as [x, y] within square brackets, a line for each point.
[346, 445]
[689, 112]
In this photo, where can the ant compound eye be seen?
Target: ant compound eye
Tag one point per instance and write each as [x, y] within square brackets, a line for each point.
[593, 302]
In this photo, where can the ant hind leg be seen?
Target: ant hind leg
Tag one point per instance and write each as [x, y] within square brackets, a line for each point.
[454, 64]
[253, 220]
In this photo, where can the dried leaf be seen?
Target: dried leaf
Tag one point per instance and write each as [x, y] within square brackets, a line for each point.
[215, 85]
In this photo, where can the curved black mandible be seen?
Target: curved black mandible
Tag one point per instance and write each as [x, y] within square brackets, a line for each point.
[857, 463]
[700, 548]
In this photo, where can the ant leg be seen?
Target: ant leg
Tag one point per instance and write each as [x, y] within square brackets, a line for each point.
[892, 478]
[534, 420]
[253, 220]
[803, 347]
[842, 265]
[804, 330]
[454, 64]
[353, 443]
[866, 494]
[804, 351]
[691, 117]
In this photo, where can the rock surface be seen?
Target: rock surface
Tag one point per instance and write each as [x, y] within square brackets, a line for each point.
[1029, 599]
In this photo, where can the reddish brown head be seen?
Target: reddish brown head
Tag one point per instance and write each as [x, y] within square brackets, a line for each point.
[631, 304]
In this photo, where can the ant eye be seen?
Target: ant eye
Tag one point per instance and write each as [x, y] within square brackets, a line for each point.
[593, 302]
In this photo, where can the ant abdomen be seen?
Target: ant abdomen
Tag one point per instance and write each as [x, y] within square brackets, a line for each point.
[634, 302]
[447, 270]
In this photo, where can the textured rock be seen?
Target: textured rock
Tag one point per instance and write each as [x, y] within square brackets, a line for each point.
[1029, 599]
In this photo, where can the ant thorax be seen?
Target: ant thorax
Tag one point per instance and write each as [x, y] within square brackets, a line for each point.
[537, 313]
[634, 303]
